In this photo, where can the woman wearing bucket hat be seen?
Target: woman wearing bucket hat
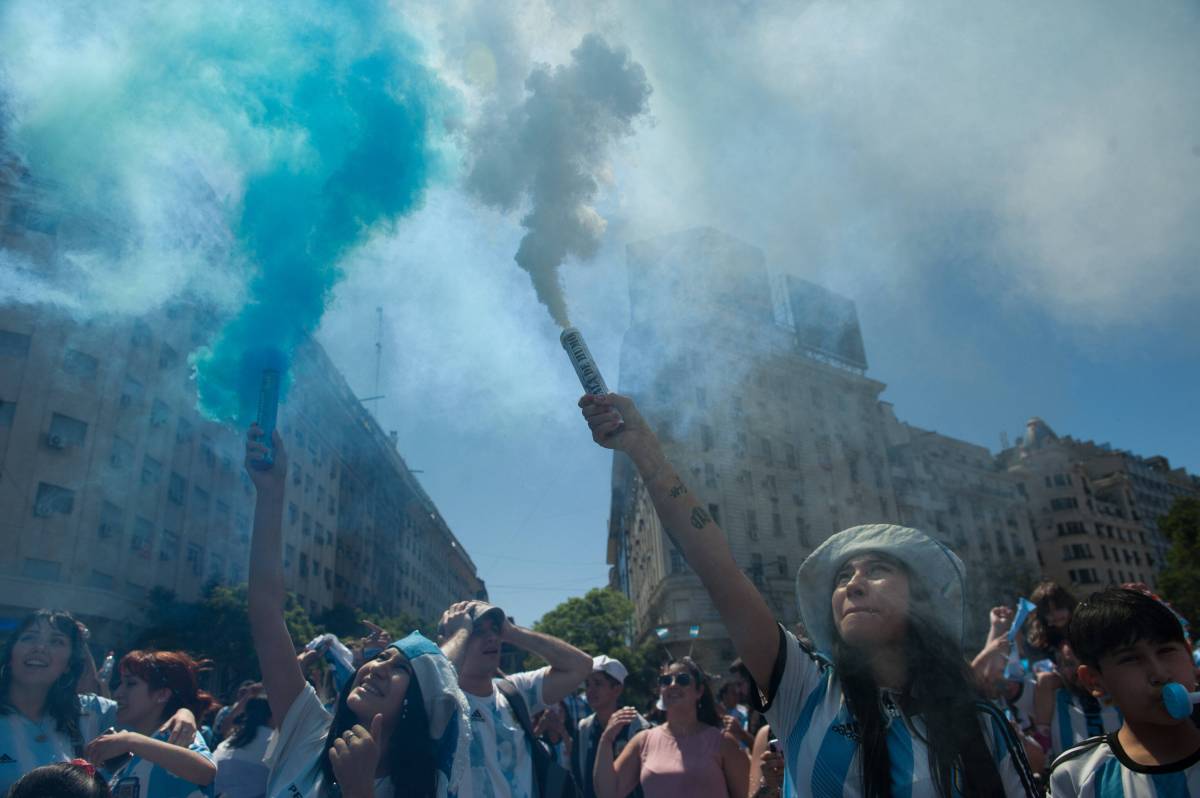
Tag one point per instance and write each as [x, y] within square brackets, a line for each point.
[400, 724]
[881, 703]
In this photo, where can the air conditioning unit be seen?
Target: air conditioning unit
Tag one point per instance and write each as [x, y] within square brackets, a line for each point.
[55, 441]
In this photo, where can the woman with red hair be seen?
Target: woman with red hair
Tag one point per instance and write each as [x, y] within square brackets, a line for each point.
[154, 684]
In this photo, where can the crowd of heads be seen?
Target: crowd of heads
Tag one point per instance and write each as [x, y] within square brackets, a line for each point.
[878, 604]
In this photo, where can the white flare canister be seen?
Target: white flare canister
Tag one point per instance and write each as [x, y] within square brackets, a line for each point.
[585, 367]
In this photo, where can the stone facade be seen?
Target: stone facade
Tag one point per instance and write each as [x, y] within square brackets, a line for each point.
[112, 484]
[1095, 509]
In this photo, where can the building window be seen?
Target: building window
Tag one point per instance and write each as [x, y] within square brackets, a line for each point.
[777, 525]
[141, 335]
[169, 550]
[710, 476]
[303, 565]
[160, 414]
[781, 566]
[789, 453]
[131, 391]
[142, 542]
[167, 357]
[706, 437]
[765, 445]
[756, 569]
[289, 554]
[13, 344]
[216, 567]
[151, 471]
[177, 489]
[110, 525]
[80, 364]
[183, 432]
[715, 512]
[121, 454]
[306, 525]
[45, 570]
[195, 558]
[293, 513]
[53, 500]
[100, 580]
[65, 431]
[752, 524]
[802, 530]
[7, 411]
[1068, 503]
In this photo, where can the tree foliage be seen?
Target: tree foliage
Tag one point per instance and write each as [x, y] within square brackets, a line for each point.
[347, 622]
[1179, 581]
[600, 622]
[216, 628]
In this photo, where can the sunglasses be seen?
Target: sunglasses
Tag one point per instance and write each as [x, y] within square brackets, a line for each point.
[681, 679]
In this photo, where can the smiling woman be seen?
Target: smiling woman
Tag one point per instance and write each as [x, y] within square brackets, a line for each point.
[400, 720]
[42, 720]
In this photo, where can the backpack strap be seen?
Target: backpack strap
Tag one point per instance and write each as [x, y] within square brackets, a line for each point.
[520, 710]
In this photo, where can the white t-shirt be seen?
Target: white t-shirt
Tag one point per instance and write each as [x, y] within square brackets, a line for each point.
[501, 760]
[25, 745]
[241, 772]
[294, 753]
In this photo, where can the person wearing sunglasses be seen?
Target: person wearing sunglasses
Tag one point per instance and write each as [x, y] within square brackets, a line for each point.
[882, 702]
[689, 756]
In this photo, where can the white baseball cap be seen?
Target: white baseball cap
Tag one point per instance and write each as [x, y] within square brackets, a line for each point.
[613, 667]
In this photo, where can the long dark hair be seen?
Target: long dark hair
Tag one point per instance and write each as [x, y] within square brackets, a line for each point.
[706, 708]
[62, 779]
[256, 714]
[62, 702]
[941, 689]
[1042, 635]
[409, 756]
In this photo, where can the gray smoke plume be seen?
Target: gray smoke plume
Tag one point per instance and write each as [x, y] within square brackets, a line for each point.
[552, 148]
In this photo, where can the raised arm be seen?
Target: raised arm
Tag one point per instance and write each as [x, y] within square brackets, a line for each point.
[692, 529]
[281, 674]
[615, 779]
[568, 665]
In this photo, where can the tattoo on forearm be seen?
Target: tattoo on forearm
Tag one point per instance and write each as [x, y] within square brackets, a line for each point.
[700, 518]
[678, 490]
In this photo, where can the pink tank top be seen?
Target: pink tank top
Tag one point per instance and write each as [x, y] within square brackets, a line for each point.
[688, 767]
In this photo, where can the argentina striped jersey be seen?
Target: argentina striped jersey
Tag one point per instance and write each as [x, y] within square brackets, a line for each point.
[1100, 768]
[808, 714]
[1077, 718]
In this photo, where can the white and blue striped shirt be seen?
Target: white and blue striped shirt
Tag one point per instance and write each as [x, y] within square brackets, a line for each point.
[1100, 768]
[807, 711]
[1077, 718]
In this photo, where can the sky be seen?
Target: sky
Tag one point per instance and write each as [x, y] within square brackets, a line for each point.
[1008, 192]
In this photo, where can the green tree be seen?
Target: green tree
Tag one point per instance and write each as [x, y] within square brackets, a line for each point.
[346, 622]
[216, 628]
[1179, 581]
[600, 622]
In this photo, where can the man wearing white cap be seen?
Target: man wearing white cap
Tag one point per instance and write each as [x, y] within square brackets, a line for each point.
[604, 687]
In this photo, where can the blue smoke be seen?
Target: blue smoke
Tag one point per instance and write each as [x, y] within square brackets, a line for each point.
[309, 125]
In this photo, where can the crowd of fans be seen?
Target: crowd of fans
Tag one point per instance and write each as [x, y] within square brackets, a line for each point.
[872, 696]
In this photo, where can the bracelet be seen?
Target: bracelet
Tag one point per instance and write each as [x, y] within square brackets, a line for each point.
[765, 790]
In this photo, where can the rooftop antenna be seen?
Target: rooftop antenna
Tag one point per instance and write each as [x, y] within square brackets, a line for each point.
[376, 395]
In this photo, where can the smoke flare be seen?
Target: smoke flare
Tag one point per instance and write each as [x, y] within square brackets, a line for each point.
[551, 148]
[219, 143]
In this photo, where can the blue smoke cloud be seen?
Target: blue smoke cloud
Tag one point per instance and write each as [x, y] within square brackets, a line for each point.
[198, 142]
